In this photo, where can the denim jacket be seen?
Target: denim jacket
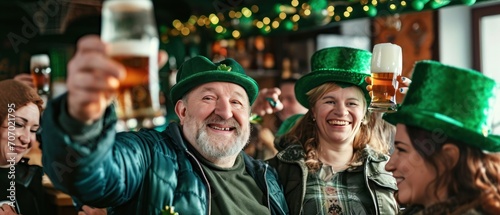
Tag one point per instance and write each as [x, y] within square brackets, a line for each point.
[293, 174]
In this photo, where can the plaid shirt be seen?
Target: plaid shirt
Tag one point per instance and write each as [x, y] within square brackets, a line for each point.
[336, 193]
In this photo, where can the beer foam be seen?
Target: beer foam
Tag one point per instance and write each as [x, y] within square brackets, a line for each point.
[127, 5]
[39, 60]
[131, 47]
[387, 58]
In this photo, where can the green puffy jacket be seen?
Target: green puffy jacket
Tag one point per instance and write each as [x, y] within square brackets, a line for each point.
[135, 172]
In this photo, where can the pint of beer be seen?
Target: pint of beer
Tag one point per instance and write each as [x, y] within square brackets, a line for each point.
[129, 28]
[386, 65]
[40, 71]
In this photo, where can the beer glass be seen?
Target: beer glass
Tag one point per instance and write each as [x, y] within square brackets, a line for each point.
[40, 72]
[386, 66]
[128, 26]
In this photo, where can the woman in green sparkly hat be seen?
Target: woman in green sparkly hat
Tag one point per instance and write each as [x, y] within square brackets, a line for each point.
[446, 161]
[332, 159]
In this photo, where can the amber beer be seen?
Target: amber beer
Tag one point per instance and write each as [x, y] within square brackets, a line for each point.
[386, 65]
[40, 72]
[383, 88]
[138, 96]
[128, 26]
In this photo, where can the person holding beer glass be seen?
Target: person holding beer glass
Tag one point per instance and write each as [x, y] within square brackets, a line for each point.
[334, 156]
[196, 166]
[446, 161]
[20, 183]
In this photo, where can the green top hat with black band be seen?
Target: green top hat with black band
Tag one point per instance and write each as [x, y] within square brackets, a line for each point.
[200, 70]
[343, 65]
[453, 101]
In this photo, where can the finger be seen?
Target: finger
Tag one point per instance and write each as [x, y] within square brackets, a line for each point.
[95, 62]
[272, 94]
[162, 58]
[368, 79]
[269, 109]
[279, 106]
[7, 209]
[369, 88]
[271, 102]
[94, 80]
[91, 43]
[400, 94]
[403, 90]
[404, 81]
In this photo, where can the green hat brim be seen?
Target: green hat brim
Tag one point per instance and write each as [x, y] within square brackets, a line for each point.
[436, 122]
[288, 124]
[184, 86]
[317, 78]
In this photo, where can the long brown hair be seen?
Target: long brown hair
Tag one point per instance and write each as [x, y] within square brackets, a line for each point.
[476, 176]
[373, 131]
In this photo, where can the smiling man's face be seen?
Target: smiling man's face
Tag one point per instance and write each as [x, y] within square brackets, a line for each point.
[215, 119]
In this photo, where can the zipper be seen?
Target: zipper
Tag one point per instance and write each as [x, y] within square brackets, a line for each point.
[303, 169]
[370, 189]
[206, 180]
[267, 189]
[304, 174]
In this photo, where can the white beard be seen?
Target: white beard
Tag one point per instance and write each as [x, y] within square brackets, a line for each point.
[217, 147]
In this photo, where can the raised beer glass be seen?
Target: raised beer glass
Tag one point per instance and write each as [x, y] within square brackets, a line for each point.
[40, 72]
[386, 66]
[129, 27]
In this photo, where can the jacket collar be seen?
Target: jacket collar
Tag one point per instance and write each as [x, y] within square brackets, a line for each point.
[295, 152]
[291, 153]
[174, 131]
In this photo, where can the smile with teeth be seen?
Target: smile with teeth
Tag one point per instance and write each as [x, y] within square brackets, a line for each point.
[338, 122]
[220, 129]
[399, 179]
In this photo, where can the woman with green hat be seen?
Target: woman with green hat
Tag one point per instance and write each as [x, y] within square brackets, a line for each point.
[333, 158]
[445, 161]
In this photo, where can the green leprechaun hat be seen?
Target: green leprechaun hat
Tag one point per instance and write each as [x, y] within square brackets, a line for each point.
[200, 70]
[343, 65]
[455, 101]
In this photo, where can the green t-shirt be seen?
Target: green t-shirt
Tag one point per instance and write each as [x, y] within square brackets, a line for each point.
[233, 190]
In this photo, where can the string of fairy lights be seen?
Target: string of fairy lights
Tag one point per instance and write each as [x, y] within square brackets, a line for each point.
[295, 15]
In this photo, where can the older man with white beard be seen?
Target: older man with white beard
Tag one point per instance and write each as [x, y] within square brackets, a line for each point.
[193, 167]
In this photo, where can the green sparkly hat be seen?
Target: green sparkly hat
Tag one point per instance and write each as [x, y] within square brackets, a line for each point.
[454, 101]
[343, 65]
[200, 70]
[288, 124]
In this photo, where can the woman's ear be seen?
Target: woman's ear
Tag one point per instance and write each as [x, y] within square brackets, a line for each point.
[180, 110]
[451, 153]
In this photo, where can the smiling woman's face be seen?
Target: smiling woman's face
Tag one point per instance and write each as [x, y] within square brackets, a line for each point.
[414, 175]
[18, 133]
[338, 114]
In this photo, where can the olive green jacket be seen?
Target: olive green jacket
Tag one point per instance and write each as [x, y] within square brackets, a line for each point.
[293, 174]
